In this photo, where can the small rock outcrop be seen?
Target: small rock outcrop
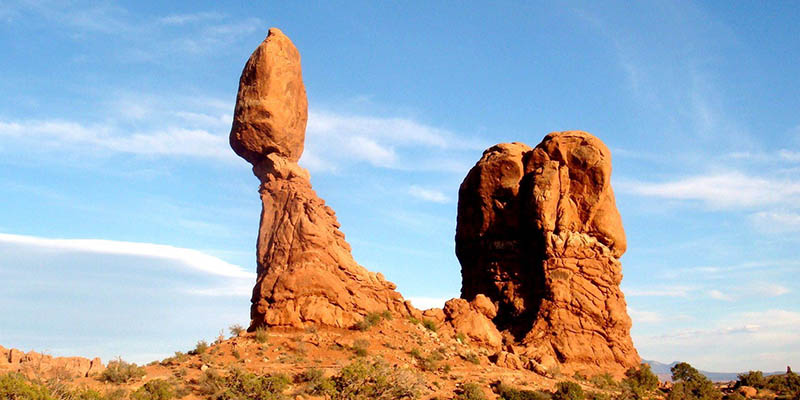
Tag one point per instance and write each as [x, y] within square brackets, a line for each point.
[305, 273]
[33, 364]
[539, 234]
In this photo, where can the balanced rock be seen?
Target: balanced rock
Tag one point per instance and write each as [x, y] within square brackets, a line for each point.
[305, 272]
[271, 106]
[539, 234]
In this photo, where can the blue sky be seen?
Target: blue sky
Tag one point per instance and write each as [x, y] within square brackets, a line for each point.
[127, 225]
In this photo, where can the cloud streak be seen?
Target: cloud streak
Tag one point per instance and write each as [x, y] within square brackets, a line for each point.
[337, 140]
[193, 259]
[727, 190]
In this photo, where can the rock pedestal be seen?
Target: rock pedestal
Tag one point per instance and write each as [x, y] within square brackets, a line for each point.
[306, 273]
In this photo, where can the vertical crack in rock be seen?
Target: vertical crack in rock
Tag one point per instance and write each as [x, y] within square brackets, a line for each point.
[539, 234]
[305, 272]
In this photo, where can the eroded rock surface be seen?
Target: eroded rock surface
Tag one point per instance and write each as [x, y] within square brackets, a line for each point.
[306, 273]
[540, 235]
[33, 364]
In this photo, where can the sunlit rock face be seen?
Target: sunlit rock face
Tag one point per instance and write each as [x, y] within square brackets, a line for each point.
[539, 234]
[306, 274]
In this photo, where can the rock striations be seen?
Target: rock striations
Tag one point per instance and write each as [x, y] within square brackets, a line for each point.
[539, 234]
[306, 273]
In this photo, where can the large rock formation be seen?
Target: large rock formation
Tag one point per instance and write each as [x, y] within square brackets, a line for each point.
[37, 365]
[540, 235]
[306, 273]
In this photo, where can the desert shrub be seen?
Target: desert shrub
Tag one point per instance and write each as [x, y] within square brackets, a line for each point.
[471, 391]
[461, 337]
[119, 371]
[751, 378]
[603, 381]
[241, 385]
[429, 362]
[471, 357]
[579, 376]
[178, 358]
[15, 386]
[360, 347]
[597, 396]
[506, 392]
[316, 383]
[639, 382]
[372, 319]
[236, 330]
[414, 321]
[733, 396]
[157, 389]
[199, 348]
[690, 384]
[235, 353]
[261, 335]
[786, 385]
[568, 391]
[430, 325]
[363, 380]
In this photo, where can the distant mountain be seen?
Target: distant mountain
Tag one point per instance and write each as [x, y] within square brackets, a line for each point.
[663, 372]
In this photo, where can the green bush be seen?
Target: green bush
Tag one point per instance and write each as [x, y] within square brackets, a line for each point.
[157, 389]
[236, 330]
[751, 378]
[734, 396]
[360, 347]
[241, 385]
[472, 357]
[429, 325]
[119, 371]
[316, 383]
[603, 381]
[200, 348]
[786, 385]
[471, 391]
[568, 391]
[372, 319]
[690, 384]
[363, 380]
[597, 396]
[639, 383]
[15, 386]
[427, 363]
[506, 392]
[261, 335]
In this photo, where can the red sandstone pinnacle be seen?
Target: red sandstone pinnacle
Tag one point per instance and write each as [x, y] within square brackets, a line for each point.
[540, 235]
[306, 274]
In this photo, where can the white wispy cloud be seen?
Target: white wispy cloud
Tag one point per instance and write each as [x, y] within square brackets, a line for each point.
[193, 259]
[109, 138]
[756, 335]
[183, 19]
[724, 190]
[431, 195]
[776, 221]
[719, 295]
[660, 291]
[335, 140]
[644, 317]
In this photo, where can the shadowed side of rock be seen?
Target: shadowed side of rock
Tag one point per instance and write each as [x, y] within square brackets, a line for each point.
[539, 234]
[306, 273]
